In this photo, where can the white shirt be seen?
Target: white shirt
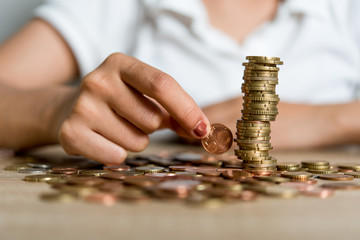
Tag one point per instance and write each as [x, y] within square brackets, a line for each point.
[319, 42]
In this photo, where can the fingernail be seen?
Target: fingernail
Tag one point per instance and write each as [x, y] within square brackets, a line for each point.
[200, 129]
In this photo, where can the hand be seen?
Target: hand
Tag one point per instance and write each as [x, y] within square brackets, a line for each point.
[120, 103]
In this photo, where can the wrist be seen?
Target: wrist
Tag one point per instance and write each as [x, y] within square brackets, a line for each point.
[60, 109]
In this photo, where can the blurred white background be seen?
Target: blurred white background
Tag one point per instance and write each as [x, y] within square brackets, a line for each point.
[14, 14]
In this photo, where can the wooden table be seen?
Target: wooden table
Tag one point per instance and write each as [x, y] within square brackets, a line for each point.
[24, 216]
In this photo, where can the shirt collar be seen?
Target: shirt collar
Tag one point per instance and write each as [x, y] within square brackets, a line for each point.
[185, 7]
[308, 7]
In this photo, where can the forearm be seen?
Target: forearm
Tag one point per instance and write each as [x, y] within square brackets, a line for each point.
[300, 125]
[306, 126]
[31, 118]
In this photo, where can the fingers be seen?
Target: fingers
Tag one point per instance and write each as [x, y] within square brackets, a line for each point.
[137, 109]
[98, 117]
[76, 139]
[165, 90]
[120, 131]
[106, 86]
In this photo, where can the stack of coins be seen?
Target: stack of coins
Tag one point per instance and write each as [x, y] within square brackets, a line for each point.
[259, 108]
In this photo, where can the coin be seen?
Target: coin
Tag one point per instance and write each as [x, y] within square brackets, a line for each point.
[263, 58]
[342, 186]
[308, 164]
[328, 171]
[32, 170]
[117, 168]
[106, 199]
[350, 166]
[319, 192]
[297, 175]
[150, 169]
[219, 140]
[64, 170]
[354, 174]
[336, 177]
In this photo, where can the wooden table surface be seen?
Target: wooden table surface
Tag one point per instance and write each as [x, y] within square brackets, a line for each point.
[23, 215]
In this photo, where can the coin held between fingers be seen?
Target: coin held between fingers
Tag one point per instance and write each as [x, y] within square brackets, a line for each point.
[200, 130]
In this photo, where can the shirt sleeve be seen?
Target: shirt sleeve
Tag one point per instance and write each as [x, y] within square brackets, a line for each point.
[93, 29]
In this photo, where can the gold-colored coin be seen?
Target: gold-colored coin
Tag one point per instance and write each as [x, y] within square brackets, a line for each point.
[260, 105]
[273, 179]
[354, 174]
[317, 171]
[41, 177]
[267, 82]
[272, 80]
[263, 58]
[259, 112]
[320, 167]
[350, 166]
[315, 163]
[254, 73]
[297, 175]
[271, 161]
[247, 134]
[266, 62]
[262, 98]
[260, 68]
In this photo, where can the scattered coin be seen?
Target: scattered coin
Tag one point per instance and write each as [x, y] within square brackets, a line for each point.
[150, 169]
[297, 175]
[32, 170]
[319, 192]
[106, 199]
[336, 177]
[354, 174]
[117, 168]
[341, 186]
[350, 166]
[64, 170]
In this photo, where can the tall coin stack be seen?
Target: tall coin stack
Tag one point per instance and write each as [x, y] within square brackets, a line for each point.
[259, 108]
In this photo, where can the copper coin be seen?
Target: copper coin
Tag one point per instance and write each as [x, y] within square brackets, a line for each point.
[85, 181]
[336, 177]
[119, 175]
[345, 170]
[181, 168]
[219, 140]
[141, 181]
[248, 196]
[301, 186]
[161, 175]
[319, 192]
[341, 186]
[307, 181]
[111, 186]
[237, 174]
[208, 173]
[106, 199]
[117, 168]
[180, 187]
[261, 172]
[61, 170]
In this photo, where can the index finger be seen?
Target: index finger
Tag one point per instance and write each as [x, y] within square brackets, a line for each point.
[166, 91]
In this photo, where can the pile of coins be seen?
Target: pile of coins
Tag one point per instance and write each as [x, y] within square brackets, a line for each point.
[191, 178]
[259, 108]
